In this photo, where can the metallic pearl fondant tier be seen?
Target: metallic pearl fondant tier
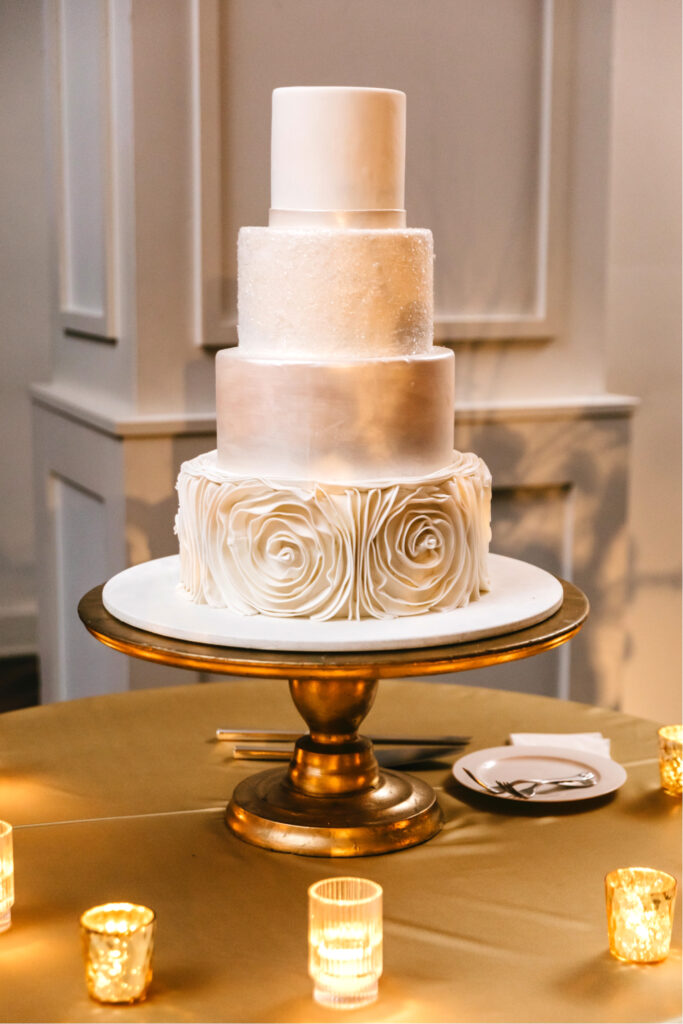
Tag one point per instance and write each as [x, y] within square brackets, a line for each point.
[305, 420]
[334, 293]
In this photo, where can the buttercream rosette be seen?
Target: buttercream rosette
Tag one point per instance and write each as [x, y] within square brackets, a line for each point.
[331, 551]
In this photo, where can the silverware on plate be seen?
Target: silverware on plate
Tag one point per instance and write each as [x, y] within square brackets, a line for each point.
[525, 789]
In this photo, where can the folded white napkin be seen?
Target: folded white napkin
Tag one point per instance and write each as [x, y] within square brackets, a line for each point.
[592, 741]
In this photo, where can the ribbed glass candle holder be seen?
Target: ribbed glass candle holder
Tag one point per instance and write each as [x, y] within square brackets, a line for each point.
[118, 942]
[671, 758]
[345, 941]
[6, 876]
[640, 912]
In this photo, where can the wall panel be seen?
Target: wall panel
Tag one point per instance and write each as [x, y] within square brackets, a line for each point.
[86, 668]
[86, 197]
[487, 127]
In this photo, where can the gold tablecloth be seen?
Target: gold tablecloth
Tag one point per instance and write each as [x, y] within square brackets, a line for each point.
[498, 918]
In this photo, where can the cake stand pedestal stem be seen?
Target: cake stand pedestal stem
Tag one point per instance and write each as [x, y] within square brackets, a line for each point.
[333, 759]
[332, 799]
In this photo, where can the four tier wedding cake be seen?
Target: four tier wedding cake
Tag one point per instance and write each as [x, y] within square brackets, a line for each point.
[334, 491]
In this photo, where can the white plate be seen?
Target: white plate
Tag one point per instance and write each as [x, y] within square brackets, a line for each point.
[148, 596]
[523, 762]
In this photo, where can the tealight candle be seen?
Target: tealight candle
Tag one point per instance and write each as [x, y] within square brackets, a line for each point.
[118, 941]
[670, 758]
[345, 941]
[640, 911]
[6, 876]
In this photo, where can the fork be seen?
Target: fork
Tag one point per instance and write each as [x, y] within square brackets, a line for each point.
[495, 790]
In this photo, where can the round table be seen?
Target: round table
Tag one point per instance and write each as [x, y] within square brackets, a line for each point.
[500, 917]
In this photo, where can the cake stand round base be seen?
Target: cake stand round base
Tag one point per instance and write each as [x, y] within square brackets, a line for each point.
[267, 811]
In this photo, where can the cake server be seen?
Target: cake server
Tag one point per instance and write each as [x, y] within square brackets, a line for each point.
[285, 736]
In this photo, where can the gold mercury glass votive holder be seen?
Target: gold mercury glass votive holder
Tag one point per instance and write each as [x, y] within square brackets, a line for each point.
[670, 746]
[118, 942]
[6, 876]
[640, 912]
[345, 941]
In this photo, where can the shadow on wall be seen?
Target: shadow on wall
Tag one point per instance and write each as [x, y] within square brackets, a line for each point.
[560, 502]
[150, 518]
[152, 505]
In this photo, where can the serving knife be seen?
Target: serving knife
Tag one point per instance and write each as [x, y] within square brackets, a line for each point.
[387, 757]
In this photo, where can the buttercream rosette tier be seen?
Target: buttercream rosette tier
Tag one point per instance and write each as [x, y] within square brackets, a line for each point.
[334, 550]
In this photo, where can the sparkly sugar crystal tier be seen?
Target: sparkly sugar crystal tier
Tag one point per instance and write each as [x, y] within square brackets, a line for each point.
[335, 293]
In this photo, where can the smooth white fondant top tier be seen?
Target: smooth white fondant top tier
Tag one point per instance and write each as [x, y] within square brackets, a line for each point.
[338, 156]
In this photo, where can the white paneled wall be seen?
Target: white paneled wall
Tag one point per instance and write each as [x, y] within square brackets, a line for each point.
[105, 499]
[25, 304]
[158, 143]
[643, 332]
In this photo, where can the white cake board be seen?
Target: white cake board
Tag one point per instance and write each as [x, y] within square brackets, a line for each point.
[148, 596]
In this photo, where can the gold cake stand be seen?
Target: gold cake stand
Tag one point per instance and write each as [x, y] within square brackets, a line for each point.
[333, 800]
